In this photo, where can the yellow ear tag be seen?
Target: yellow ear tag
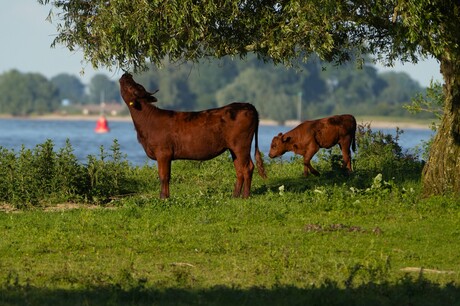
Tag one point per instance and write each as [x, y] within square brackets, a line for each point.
[131, 103]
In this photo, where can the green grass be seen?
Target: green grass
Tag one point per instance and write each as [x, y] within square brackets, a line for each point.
[331, 240]
[315, 242]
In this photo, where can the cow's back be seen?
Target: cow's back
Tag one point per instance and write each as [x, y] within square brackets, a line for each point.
[206, 134]
[329, 131]
[239, 120]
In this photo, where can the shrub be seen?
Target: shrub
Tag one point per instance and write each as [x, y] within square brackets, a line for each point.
[107, 174]
[381, 153]
[39, 176]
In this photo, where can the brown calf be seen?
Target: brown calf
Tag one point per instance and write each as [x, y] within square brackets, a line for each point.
[309, 136]
[168, 135]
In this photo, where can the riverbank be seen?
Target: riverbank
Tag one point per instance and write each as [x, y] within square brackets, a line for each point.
[374, 122]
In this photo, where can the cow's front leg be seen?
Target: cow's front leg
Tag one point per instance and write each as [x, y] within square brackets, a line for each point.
[306, 162]
[164, 172]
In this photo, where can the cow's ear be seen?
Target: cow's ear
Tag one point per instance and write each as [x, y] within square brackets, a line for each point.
[280, 134]
[286, 138]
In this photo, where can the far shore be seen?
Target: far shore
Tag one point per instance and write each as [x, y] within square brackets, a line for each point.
[374, 122]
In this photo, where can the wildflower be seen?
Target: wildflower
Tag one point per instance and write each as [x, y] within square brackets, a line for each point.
[281, 190]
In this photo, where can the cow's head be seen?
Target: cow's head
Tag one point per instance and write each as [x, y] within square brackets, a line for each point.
[133, 93]
[279, 145]
[127, 87]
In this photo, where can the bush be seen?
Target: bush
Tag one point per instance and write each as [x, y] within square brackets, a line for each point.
[40, 176]
[107, 174]
[381, 153]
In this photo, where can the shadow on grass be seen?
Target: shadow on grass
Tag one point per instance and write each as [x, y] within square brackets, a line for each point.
[357, 179]
[406, 291]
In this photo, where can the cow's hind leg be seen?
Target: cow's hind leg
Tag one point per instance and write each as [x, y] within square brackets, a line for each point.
[244, 168]
[306, 161]
[247, 174]
[346, 154]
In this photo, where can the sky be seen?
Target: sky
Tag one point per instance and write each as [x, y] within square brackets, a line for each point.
[26, 37]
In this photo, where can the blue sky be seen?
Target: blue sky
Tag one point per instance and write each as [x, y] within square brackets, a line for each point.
[26, 38]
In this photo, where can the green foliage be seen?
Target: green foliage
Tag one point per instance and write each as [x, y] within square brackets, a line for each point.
[70, 88]
[42, 176]
[102, 89]
[277, 91]
[34, 176]
[26, 93]
[283, 32]
[107, 174]
[382, 153]
[431, 103]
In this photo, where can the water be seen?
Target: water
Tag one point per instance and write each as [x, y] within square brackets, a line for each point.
[17, 132]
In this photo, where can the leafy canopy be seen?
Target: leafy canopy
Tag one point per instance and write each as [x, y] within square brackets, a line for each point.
[129, 33]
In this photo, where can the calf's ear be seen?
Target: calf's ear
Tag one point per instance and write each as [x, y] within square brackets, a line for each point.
[285, 138]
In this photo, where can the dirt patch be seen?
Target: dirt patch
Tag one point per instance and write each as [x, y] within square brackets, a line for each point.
[340, 227]
[58, 207]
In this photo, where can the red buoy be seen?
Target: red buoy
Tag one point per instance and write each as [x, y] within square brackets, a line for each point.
[102, 125]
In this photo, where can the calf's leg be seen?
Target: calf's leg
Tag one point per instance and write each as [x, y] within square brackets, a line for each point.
[164, 172]
[346, 153]
[306, 161]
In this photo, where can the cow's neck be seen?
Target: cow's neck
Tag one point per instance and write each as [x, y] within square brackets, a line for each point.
[144, 115]
[291, 145]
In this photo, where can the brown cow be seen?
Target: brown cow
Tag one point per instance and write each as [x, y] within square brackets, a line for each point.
[309, 136]
[168, 135]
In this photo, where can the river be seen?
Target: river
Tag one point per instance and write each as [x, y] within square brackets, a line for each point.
[14, 133]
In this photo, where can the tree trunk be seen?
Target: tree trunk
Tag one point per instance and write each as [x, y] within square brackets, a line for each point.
[441, 174]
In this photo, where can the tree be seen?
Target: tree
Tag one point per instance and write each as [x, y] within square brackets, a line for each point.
[273, 90]
[350, 88]
[210, 76]
[399, 89]
[102, 89]
[26, 94]
[175, 92]
[128, 34]
[70, 87]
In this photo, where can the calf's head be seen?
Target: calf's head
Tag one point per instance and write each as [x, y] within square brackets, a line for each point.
[134, 93]
[279, 145]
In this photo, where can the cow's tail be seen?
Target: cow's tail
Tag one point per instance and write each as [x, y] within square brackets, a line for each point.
[258, 155]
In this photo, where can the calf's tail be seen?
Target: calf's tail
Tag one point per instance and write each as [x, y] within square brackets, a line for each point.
[353, 140]
[258, 156]
[353, 143]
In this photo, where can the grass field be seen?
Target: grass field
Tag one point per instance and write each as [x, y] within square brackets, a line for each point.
[362, 239]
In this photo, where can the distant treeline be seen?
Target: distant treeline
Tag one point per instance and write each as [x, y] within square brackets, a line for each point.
[309, 90]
